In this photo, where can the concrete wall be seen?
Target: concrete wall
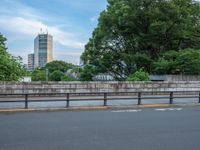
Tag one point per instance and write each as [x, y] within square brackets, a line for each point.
[172, 78]
[78, 87]
[183, 78]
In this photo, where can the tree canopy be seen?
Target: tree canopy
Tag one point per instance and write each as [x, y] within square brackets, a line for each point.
[135, 33]
[10, 67]
[38, 75]
[87, 73]
[55, 71]
[56, 75]
[179, 62]
[58, 65]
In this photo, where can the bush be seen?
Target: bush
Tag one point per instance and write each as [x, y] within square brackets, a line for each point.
[139, 75]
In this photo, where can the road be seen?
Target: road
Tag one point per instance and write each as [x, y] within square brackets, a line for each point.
[139, 129]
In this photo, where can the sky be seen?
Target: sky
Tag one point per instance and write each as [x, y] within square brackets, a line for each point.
[70, 22]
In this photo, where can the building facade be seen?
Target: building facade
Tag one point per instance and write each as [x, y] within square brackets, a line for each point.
[30, 62]
[43, 50]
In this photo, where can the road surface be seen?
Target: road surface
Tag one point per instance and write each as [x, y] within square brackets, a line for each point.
[139, 129]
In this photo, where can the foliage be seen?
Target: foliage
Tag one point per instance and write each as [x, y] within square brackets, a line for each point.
[67, 78]
[181, 62]
[75, 72]
[56, 71]
[58, 65]
[135, 33]
[38, 75]
[56, 75]
[87, 73]
[139, 75]
[10, 66]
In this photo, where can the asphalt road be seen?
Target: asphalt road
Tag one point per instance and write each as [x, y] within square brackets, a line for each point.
[140, 129]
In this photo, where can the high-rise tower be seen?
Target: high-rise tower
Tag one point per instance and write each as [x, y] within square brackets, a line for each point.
[43, 50]
[30, 62]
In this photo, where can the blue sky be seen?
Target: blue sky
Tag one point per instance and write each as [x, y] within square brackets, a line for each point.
[71, 23]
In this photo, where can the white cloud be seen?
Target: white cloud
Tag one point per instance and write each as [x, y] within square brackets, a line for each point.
[25, 23]
[30, 27]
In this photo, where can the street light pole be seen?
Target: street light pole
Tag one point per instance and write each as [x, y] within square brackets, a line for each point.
[47, 73]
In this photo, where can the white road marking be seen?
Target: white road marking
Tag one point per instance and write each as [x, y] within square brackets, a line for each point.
[168, 109]
[160, 109]
[139, 110]
[130, 110]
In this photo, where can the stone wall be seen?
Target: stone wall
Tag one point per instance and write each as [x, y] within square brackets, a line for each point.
[89, 87]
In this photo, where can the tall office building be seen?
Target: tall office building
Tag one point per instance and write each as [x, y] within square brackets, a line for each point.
[43, 50]
[30, 62]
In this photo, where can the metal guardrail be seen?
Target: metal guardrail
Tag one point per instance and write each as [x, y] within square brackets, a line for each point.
[105, 97]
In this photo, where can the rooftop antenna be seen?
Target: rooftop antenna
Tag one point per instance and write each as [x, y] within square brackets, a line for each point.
[46, 31]
[40, 30]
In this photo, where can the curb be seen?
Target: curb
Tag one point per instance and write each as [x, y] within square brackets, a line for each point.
[53, 109]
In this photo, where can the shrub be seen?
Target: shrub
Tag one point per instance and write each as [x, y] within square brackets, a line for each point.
[139, 75]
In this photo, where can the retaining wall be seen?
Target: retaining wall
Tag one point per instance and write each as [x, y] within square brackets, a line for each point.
[174, 78]
[89, 87]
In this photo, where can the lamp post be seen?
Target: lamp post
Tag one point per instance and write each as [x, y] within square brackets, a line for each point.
[47, 73]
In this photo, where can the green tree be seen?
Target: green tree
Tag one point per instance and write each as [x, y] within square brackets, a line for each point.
[58, 65]
[167, 63]
[38, 75]
[87, 73]
[10, 67]
[189, 62]
[179, 62]
[56, 75]
[130, 31]
[139, 75]
[67, 78]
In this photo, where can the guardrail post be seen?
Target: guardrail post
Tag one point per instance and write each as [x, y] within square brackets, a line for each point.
[105, 99]
[26, 101]
[171, 97]
[67, 105]
[199, 97]
[139, 98]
